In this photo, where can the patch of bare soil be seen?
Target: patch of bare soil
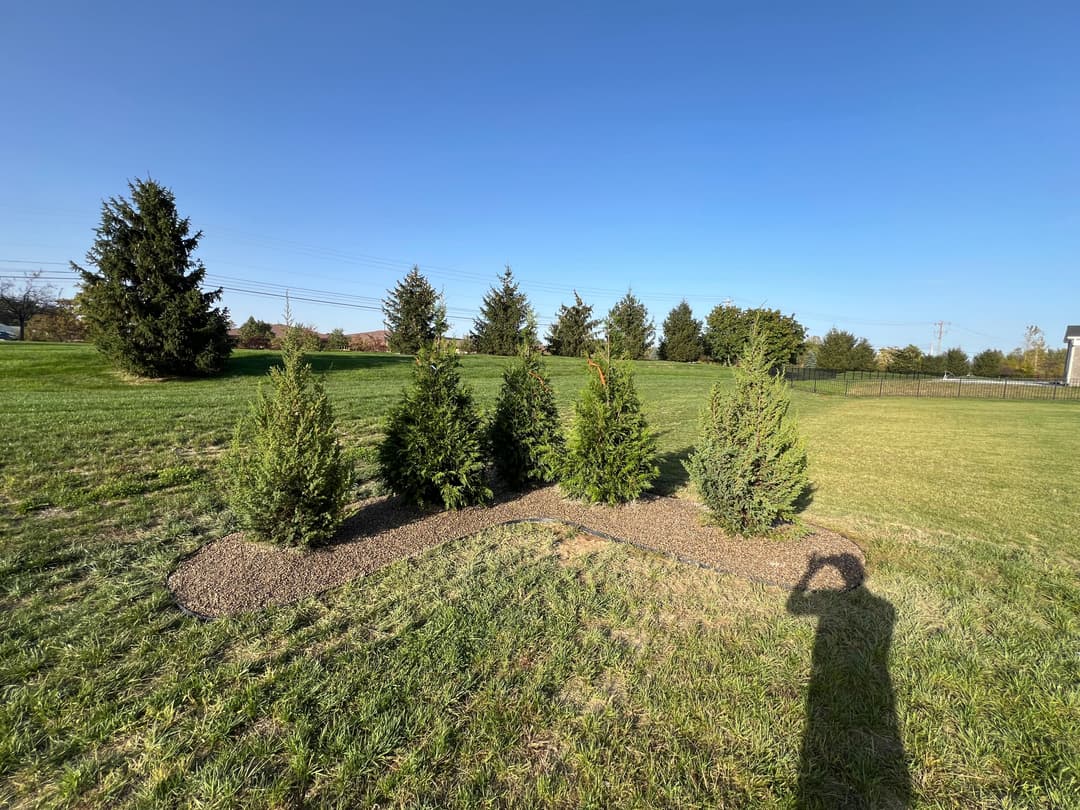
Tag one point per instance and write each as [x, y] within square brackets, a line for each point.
[233, 575]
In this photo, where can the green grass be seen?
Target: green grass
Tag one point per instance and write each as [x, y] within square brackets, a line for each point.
[498, 671]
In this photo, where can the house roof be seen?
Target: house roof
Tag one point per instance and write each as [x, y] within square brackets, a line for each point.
[1072, 332]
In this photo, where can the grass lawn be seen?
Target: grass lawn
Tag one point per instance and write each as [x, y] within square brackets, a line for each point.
[523, 666]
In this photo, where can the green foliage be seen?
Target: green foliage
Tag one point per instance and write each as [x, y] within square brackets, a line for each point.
[612, 453]
[506, 319]
[682, 340]
[303, 337]
[842, 351]
[630, 333]
[906, 360]
[254, 334]
[526, 442]
[433, 452]
[284, 475]
[728, 330]
[749, 466]
[336, 341]
[144, 308]
[574, 332]
[415, 314]
[957, 363]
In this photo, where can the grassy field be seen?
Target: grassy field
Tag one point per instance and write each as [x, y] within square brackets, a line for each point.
[524, 667]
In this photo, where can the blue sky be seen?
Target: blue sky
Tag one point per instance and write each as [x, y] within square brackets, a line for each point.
[874, 167]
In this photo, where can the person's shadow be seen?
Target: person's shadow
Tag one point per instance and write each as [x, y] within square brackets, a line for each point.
[852, 755]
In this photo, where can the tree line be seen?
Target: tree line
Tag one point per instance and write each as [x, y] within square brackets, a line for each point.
[839, 350]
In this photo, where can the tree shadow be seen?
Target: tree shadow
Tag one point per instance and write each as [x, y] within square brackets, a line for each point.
[673, 475]
[258, 364]
[852, 754]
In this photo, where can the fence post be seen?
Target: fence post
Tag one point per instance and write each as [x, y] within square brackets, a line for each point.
[1005, 388]
[917, 381]
[959, 385]
[881, 387]
[845, 383]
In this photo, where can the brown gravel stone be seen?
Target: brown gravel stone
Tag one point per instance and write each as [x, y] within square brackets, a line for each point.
[232, 575]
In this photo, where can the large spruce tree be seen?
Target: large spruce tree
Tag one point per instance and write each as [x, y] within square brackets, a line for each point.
[682, 335]
[630, 333]
[506, 319]
[728, 329]
[144, 307]
[574, 332]
[414, 313]
[842, 351]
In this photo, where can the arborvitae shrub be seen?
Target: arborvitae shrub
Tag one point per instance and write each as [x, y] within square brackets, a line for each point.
[526, 443]
[433, 452]
[750, 467]
[611, 455]
[285, 475]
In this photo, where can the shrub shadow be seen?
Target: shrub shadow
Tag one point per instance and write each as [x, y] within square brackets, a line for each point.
[258, 365]
[673, 475]
[852, 754]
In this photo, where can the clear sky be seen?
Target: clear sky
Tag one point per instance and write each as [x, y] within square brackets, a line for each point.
[877, 167]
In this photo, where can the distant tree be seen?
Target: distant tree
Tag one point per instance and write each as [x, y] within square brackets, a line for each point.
[304, 336]
[506, 319]
[58, 324]
[842, 351]
[611, 455]
[574, 332]
[782, 336]
[1034, 350]
[811, 350]
[682, 335]
[144, 308]
[21, 299]
[336, 341]
[254, 334]
[906, 360]
[934, 364]
[749, 466]
[630, 333]
[988, 363]
[433, 453]
[726, 333]
[956, 362]
[415, 314]
[525, 438]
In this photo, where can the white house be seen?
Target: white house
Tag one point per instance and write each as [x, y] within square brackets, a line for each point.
[1072, 355]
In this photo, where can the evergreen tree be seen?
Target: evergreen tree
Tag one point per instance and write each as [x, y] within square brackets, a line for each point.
[433, 452]
[506, 319]
[526, 442]
[414, 313]
[682, 335]
[630, 333]
[988, 363]
[726, 333]
[255, 334]
[144, 308]
[574, 332]
[842, 351]
[611, 455]
[285, 476]
[749, 466]
[336, 341]
[906, 360]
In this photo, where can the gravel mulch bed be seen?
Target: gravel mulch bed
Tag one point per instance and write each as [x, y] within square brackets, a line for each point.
[232, 575]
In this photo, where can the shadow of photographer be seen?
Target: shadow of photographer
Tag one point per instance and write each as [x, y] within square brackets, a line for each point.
[852, 754]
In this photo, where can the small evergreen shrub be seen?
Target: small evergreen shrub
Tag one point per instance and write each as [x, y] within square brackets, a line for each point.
[526, 444]
[433, 452]
[611, 455]
[750, 467]
[285, 476]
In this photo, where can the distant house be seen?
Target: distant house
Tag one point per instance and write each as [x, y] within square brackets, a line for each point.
[1072, 356]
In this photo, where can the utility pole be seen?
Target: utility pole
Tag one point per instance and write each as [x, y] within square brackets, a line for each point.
[940, 334]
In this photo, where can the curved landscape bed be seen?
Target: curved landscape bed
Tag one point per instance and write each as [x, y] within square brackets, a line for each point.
[233, 575]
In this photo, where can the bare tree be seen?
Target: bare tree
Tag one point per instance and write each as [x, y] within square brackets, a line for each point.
[22, 299]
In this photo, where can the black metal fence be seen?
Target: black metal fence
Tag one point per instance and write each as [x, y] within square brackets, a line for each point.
[892, 384]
